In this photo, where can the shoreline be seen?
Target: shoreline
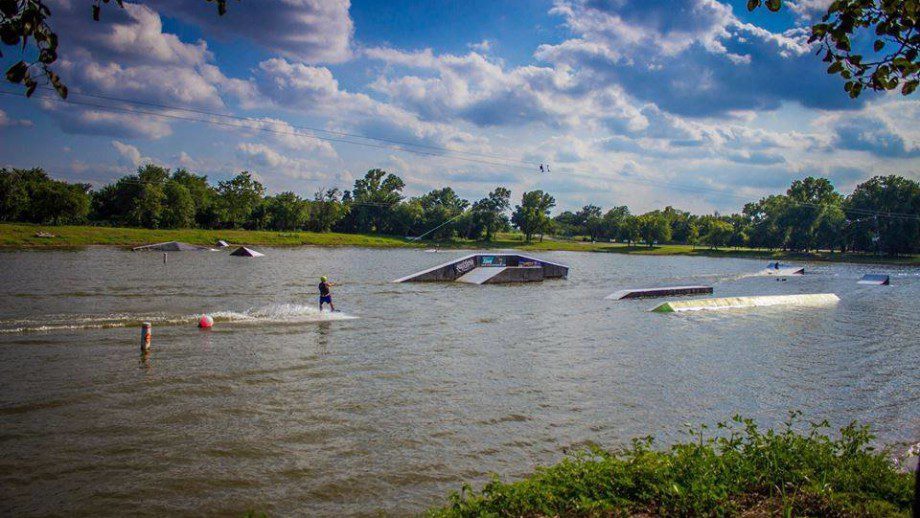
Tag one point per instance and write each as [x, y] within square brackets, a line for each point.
[22, 236]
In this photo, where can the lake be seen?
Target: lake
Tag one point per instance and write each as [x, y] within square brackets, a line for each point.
[413, 388]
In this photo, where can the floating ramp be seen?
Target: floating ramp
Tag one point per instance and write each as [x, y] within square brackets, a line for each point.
[480, 275]
[246, 252]
[875, 279]
[490, 269]
[782, 271]
[808, 299]
[659, 292]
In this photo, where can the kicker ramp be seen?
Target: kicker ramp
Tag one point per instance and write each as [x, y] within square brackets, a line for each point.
[659, 292]
[490, 269]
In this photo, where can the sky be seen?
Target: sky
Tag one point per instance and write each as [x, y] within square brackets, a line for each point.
[697, 104]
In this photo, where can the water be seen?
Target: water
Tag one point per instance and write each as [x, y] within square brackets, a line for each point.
[413, 388]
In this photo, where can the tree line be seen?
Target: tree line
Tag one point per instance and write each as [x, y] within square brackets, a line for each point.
[880, 215]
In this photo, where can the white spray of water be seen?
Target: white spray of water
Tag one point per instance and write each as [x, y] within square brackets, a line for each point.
[274, 313]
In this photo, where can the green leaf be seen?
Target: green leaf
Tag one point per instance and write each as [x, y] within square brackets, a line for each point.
[837, 66]
[774, 5]
[855, 91]
[96, 11]
[879, 45]
[909, 87]
[17, 72]
[753, 4]
[8, 35]
[8, 8]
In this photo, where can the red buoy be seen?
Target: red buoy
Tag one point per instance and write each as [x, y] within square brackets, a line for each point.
[205, 322]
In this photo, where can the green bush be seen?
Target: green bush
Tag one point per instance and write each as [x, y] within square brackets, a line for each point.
[798, 470]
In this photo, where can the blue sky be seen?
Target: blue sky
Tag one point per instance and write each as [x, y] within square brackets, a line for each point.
[697, 104]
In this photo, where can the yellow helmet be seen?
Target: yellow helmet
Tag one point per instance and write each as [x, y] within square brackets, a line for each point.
[323, 279]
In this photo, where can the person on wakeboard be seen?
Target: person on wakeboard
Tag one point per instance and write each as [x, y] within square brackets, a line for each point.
[325, 296]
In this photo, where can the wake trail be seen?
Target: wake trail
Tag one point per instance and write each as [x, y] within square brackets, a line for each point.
[270, 314]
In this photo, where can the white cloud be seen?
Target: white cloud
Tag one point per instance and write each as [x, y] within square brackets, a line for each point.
[482, 47]
[6, 121]
[314, 90]
[130, 56]
[313, 31]
[130, 155]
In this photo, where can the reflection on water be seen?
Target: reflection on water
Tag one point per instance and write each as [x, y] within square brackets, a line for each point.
[415, 388]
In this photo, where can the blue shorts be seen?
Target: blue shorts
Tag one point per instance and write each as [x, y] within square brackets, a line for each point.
[325, 298]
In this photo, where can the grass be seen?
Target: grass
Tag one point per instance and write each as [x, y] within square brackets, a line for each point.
[23, 236]
[739, 471]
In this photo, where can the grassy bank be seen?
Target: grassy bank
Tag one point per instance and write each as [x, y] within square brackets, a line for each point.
[24, 236]
[743, 472]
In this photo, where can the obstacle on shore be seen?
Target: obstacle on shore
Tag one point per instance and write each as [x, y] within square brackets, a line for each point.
[875, 279]
[171, 246]
[490, 269]
[659, 292]
[807, 299]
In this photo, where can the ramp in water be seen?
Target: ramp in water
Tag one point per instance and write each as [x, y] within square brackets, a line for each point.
[480, 275]
[807, 299]
[658, 292]
[876, 279]
[485, 268]
[783, 271]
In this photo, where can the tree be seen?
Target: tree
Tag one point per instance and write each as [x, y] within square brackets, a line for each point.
[892, 24]
[763, 222]
[886, 212]
[808, 199]
[532, 215]
[326, 211]
[629, 232]
[374, 199]
[488, 214]
[566, 224]
[144, 203]
[717, 232]
[654, 227]
[58, 203]
[286, 211]
[615, 221]
[15, 188]
[179, 207]
[693, 234]
[591, 221]
[237, 198]
[24, 23]
[202, 194]
[438, 208]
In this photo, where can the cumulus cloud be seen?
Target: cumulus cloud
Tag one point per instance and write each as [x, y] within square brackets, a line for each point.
[290, 137]
[129, 55]
[475, 89]
[312, 31]
[873, 135]
[88, 121]
[314, 90]
[130, 155]
[693, 58]
[7, 122]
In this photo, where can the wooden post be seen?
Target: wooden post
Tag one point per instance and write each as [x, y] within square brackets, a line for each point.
[164, 257]
[145, 337]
